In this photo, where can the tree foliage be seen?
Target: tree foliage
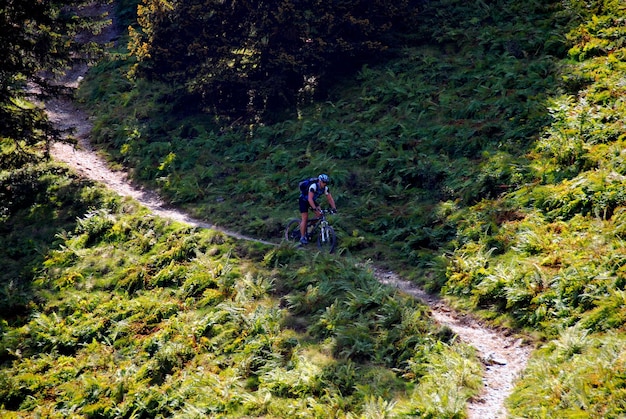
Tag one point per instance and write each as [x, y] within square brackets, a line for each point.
[243, 58]
[35, 39]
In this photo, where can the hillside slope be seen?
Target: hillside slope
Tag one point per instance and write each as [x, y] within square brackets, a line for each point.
[504, 356]
[486, 162]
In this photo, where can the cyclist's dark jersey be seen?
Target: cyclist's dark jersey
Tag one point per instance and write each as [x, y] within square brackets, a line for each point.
[317, 191]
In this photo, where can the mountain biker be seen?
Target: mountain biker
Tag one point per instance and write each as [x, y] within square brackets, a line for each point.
[314, 191]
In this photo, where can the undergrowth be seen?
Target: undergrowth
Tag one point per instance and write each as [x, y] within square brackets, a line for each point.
[486, 163]
[443, 122]
[131, 315]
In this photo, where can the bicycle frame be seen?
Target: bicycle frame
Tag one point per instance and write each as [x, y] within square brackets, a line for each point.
[318, 230]
[324, 230]
[317, 223]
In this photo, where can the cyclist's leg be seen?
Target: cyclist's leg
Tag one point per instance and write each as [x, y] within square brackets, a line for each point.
[304, 213]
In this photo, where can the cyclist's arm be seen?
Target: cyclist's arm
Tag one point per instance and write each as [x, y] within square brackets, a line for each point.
[312, 201]
[331, 201]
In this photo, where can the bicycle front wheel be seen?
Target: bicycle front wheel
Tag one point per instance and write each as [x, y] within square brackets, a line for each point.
[292, 232]
[327, 240]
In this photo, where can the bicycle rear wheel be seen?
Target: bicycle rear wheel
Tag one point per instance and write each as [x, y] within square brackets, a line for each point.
[292, 232]
[326, 240]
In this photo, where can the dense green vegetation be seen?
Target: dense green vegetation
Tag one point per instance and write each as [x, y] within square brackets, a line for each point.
[135, 316]
[409, 144]
[35, 39]
[251, 59]
[485, 161]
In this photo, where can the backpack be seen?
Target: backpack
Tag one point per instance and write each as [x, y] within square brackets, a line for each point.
[304, 185]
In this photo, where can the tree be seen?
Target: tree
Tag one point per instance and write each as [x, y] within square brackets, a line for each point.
[36, 38]
[244, 58]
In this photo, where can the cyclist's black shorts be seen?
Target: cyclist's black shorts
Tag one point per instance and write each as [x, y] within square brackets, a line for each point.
[304, 205]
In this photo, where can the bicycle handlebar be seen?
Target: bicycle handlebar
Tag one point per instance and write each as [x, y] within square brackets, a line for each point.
[328, 211]
[324, 212]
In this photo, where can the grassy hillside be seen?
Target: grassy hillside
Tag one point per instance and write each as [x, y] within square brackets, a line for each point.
[129, 315]
[38, 203]
[406, 142]
[485, 162]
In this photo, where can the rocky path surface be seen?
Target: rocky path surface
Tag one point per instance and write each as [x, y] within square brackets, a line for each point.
[84, 159]
[504, 356]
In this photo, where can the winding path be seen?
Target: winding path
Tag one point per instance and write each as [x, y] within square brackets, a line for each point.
[504, 356]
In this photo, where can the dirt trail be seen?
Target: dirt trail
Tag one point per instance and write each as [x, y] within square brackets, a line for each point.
[85, 160]
[504, 356]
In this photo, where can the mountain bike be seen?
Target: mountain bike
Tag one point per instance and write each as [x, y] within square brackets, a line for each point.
[316, 227]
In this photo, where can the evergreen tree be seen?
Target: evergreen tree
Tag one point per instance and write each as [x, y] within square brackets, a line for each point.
[244, 58]
[35, 39]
